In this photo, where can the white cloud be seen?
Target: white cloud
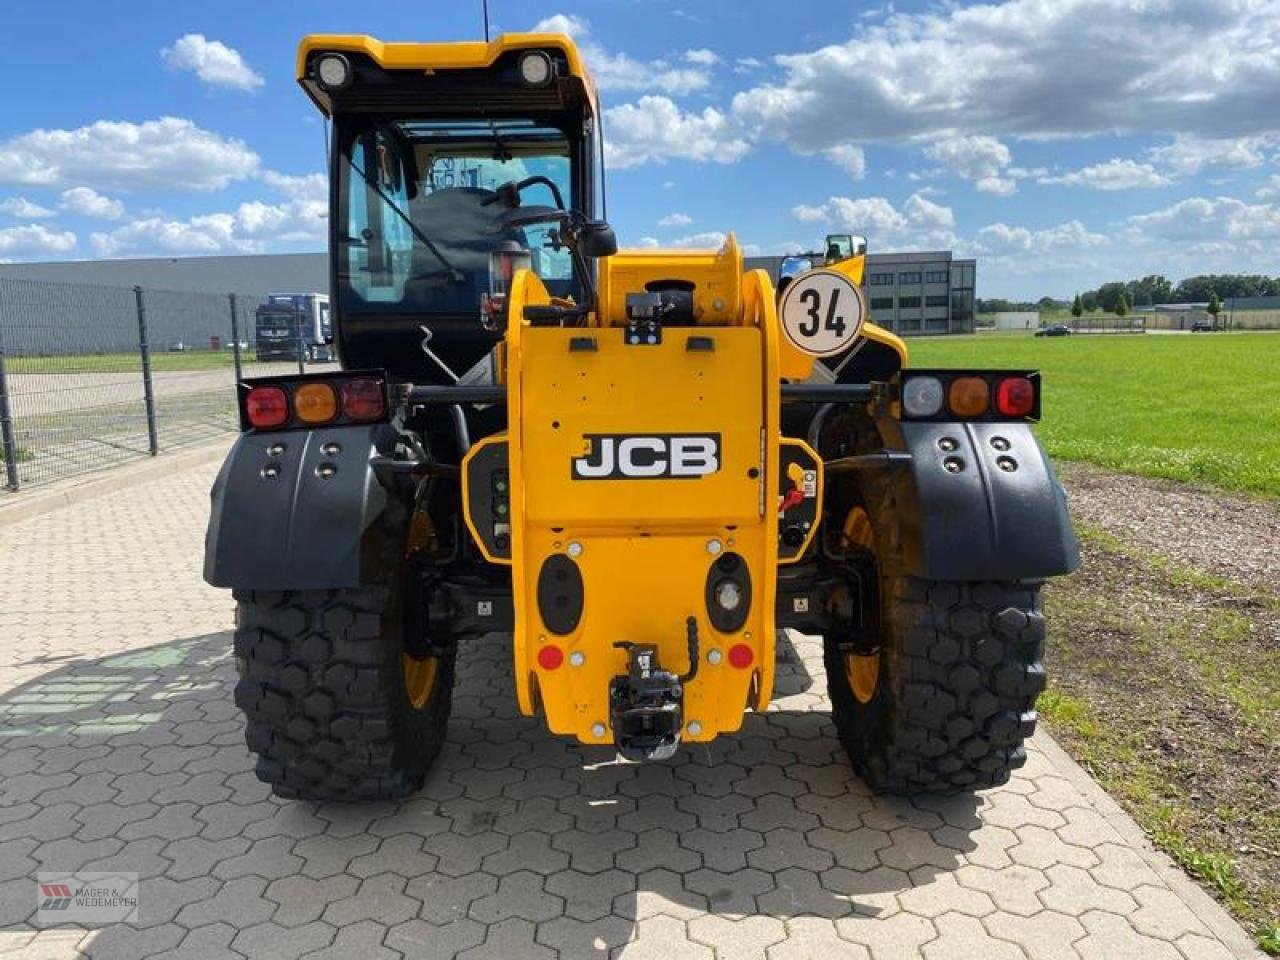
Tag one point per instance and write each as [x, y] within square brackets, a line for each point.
[1114, 174]
[1030, 68]
[849, 158]
[655, 128]
[1271, 189]
[675, 220]
[309, 187]
[165, 154]
[25, 209]
[1253, 226]
[35, 238]
[999, 239]
[747, 64]
[1000, 186]
[919, 223]
[972, 158]
[1188, 154]
[212, 61]
[702, 57]
[709, 240]
[253, 227]
[618, 71]
[648, 243]
[89, 203]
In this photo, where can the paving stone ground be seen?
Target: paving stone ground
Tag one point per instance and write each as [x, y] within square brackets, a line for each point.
[121, 749]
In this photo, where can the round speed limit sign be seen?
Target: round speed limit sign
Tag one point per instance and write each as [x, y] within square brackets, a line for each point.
[822, 312]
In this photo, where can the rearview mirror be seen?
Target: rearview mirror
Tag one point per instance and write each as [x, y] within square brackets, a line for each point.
[597, 239]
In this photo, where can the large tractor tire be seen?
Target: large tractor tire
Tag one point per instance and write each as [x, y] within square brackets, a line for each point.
[943, 694]
[341, 701]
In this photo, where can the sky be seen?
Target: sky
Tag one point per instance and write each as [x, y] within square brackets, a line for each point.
[1063, 143]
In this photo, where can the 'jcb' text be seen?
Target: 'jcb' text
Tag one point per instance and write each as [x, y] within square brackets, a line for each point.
[619, 456]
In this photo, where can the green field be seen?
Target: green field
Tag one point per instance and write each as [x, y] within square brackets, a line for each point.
[1197, 407]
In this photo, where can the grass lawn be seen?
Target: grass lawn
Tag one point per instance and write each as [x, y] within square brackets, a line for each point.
[1165, 685]
[126, 362]
[1198, 407]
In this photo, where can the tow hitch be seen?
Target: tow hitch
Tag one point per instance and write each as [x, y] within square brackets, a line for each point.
[646, 704]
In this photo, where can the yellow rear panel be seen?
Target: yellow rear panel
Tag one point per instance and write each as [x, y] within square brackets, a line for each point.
[641, 543]
[644, 555]
[646, 390]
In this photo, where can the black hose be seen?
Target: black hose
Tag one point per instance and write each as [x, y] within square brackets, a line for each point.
[691, 626]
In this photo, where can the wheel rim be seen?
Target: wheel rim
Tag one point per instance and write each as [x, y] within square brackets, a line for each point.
[419, 679]
[862, 670]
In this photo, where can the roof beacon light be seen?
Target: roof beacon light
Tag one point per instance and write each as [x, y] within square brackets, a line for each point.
[536, 68]
[333, 70]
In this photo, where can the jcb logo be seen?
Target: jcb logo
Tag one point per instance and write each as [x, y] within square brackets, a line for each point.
[654, 456]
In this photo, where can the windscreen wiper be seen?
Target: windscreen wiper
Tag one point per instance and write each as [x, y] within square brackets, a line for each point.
[456, 275]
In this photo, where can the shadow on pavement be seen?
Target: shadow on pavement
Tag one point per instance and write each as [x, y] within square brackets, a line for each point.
[136, 762]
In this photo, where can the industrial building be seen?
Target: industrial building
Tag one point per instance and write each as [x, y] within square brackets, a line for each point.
[912, 293]
[908, 293]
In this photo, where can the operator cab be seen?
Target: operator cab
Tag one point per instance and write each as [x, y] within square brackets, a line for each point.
[844, 246]
[444, 182]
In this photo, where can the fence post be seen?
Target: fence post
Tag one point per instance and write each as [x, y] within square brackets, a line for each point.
[148, 391]
[297, 325]
[6, 431]
[235, 336]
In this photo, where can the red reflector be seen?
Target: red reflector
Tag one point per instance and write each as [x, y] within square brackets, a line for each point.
[363, 400]
[1015, 397]
[740, 656]
[550, 657]
[266, 407]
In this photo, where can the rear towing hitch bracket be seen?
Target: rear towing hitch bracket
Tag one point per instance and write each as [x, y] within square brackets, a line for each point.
[646, 704]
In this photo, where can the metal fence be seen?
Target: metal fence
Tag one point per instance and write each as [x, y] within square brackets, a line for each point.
[91, 376]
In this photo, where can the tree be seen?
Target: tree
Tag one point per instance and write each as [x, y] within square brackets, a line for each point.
[1077, 308]
[1215, 305]
[1090, 300]
[1150, 290]
[1122, 304]
[1109, 295]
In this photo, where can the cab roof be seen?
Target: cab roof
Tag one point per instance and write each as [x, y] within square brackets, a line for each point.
[437, 59]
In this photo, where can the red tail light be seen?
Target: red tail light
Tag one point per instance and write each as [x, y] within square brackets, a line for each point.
[740, 656]
[550, 657]
[363, 399]
[1015, 397]
[266, 407]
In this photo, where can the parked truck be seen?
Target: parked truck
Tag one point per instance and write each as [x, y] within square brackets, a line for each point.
[289, 324]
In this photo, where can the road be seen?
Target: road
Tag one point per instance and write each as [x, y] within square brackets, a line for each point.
[121, 749]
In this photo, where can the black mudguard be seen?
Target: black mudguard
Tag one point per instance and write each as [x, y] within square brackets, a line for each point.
[306, 527]
[984, 521]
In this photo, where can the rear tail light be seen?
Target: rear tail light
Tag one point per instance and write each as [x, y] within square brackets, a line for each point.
[741, 656]
[969, 396]
[550, 657]
[315, 403]
[1015, 397]
[364, 399]
[922, 396]
[266, 408]
[281, 403]
[983, 395]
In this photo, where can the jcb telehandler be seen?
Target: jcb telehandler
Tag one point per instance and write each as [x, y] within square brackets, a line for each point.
[636, 464]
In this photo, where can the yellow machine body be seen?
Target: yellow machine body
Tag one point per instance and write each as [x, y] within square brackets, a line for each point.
[645, 546]
[437, 57]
